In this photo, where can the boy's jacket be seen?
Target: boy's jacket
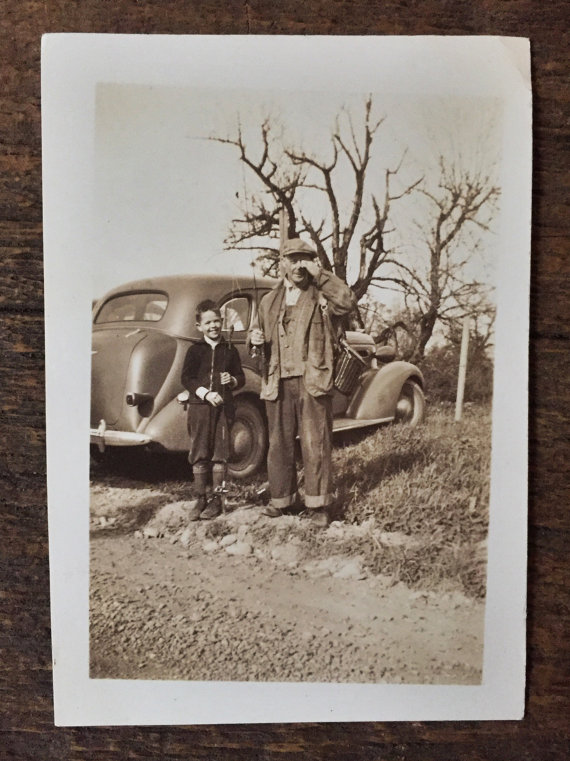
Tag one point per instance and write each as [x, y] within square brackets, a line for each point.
[203, 365]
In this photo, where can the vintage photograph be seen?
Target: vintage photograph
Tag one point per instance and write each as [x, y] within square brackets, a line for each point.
[284, 485]
[294, 295]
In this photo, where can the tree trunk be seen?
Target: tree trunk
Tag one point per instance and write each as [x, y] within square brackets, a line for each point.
[427, 324]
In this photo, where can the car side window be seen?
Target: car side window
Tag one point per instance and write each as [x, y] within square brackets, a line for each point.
[236, 313]
[145, 306]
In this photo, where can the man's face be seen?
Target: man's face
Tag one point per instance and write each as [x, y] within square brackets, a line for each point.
[210, 325]
[294, 269]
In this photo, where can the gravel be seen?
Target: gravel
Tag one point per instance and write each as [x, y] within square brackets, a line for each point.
[212, 610]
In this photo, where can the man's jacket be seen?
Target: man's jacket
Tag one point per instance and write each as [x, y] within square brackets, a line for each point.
[326, 297]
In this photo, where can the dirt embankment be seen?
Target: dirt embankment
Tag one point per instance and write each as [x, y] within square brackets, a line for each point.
[247, 598]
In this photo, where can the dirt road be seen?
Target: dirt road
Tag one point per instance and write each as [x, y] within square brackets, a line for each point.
[187, 606]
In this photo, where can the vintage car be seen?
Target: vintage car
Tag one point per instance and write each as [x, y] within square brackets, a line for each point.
[141, 333]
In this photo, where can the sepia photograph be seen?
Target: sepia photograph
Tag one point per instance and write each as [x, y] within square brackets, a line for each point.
[299, 322]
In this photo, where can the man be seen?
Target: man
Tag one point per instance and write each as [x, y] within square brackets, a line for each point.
[294, 329]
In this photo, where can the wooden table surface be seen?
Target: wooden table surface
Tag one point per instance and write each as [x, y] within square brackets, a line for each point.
[27, 730]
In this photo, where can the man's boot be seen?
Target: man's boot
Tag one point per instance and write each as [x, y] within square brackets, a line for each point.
[319, 516]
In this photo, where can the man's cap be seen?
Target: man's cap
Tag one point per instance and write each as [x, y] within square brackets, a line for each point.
[297, 246]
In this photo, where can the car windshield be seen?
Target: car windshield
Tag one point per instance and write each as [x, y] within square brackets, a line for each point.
[147, 306]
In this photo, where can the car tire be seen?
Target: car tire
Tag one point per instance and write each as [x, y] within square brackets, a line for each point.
[249, 440]
[410, 408]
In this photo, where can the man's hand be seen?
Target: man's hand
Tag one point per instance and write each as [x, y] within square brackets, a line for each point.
[257, 337]
[226, 379]
[312, 266]
[213, 398]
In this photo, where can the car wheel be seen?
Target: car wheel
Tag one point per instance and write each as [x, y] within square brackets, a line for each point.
[410, 407]
[249, 440]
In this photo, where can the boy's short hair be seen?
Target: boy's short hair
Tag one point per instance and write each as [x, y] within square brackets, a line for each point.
[206, 306]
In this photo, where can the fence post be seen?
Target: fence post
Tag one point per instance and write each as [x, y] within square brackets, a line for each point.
[462, 368]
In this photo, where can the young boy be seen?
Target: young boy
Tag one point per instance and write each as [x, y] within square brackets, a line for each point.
[212, 369]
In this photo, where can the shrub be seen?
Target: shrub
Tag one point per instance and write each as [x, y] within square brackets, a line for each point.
[441, 369]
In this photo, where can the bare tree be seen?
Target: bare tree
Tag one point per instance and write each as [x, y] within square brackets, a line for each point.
[285, 174]
[279, 182]
[461, 207]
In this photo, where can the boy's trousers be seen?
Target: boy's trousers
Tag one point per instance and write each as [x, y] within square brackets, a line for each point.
[209, 434]
[296, 412]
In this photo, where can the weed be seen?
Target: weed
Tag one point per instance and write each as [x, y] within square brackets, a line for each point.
[430, 483]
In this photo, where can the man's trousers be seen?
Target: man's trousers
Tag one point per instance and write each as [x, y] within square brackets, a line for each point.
[296, 412]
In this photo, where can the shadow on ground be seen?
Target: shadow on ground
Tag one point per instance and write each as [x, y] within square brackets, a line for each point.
[128, 517]
[141, 465]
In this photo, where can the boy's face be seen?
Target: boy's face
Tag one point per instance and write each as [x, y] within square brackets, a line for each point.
[210, 325]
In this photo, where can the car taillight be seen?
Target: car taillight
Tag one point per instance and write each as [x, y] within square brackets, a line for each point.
[134, 399]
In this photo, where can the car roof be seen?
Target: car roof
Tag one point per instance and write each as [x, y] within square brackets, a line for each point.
[184, 294]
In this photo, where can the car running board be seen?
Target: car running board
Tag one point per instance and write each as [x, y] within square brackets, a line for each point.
[346, 423]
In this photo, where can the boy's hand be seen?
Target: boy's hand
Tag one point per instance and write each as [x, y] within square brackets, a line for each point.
[213, 398]
[226, 379]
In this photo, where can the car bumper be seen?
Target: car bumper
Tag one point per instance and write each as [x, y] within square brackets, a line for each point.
[102, 437]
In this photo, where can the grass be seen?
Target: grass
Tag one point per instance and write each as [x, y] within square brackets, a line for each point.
[434, 477]
[428, 487]
[420, 495]
[430, 484]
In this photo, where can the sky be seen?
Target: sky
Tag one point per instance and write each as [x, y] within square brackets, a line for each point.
[165, 194]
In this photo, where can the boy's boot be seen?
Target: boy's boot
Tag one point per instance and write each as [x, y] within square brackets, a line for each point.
[201, 482]
[215, 502]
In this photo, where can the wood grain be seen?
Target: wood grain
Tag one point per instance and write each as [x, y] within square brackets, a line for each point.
[25, 671]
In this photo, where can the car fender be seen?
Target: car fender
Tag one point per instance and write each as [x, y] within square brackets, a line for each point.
[379, 389]
[169, 428]
[252, 382]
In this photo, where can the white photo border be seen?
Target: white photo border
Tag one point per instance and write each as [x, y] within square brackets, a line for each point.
[72, 66]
